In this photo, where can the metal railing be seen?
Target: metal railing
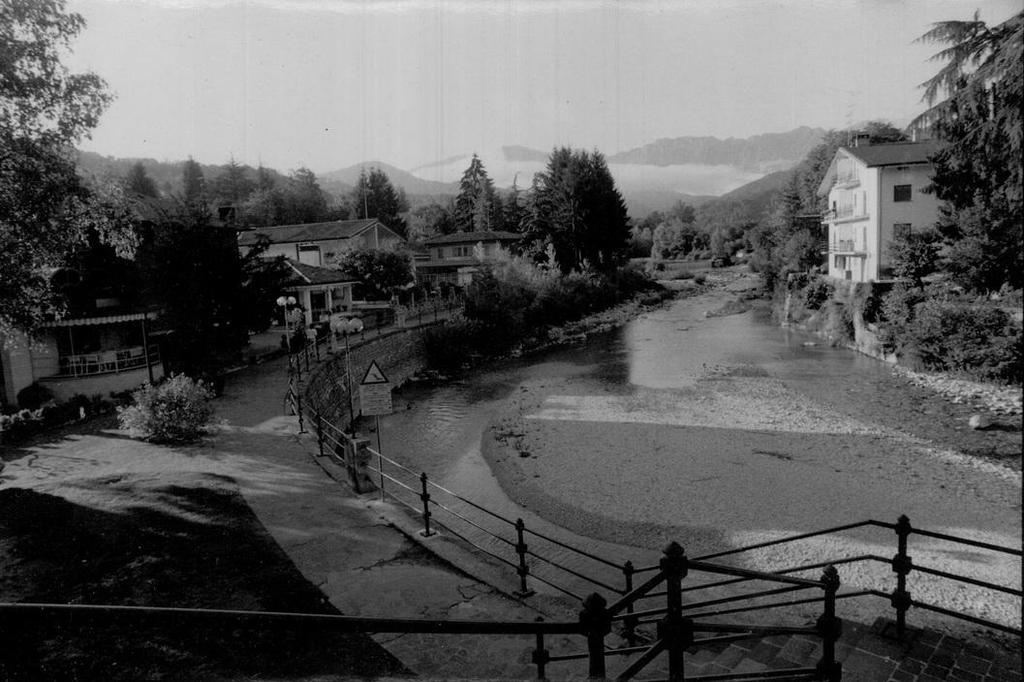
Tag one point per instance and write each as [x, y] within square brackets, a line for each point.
[675, 632]
[536, 556]
[107, 362]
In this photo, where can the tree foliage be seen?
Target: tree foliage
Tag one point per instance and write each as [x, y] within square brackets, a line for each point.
[379, 272]
[578, 211]
[478, 207]
[915, 255]
[375, 197]
[46, 212]
[978, 173]
[139, 183]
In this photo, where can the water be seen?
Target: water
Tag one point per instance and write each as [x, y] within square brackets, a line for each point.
[716, 433]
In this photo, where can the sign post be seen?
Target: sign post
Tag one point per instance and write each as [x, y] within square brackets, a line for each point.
[375, 399]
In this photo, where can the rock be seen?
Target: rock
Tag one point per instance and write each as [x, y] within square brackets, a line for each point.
[809, 344]
[979, 422]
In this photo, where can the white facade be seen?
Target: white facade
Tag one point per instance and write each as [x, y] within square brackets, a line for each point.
[873, 195]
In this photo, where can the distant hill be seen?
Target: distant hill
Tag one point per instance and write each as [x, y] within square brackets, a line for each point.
[770, 151]
[166, 174]
[758, 189]
[399, 178]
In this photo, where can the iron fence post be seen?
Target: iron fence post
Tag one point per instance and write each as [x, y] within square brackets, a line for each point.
[901, 565]
[674, 630]
[523, 570]
[830, 628]
[319, 431]
[425, 496]
[595, 624]
[629, 625]
[540, 655]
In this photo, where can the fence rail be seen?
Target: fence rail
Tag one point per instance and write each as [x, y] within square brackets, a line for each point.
[539, 559]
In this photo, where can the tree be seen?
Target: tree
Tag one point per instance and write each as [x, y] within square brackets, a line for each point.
[380, 272]
[263, 279]
[194, 196]
[194, 272]
[375, 197]
[477, 206]
[514, 218]
[138, 182]
[429, 220]
[978, 173]
[302, 200]
[914, 255]
[578, 210]
[232, 186]
[45, 211]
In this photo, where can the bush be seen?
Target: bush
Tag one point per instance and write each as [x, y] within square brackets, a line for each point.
[977, 340]
[33, 396]
[176, 411]
[817, 292]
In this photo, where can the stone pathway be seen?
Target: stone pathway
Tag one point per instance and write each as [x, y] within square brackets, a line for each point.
[867, 654]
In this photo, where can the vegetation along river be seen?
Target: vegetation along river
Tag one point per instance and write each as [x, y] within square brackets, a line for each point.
[719, 432]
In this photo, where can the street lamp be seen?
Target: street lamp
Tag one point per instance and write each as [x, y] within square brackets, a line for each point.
[346, 326]
[284, 302]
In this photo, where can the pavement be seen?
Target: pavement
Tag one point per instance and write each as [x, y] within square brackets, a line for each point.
[367, 559]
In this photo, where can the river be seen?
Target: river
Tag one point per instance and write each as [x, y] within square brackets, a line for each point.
[717, 432]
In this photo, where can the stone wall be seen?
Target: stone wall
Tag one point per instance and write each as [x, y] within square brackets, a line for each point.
[399, 354]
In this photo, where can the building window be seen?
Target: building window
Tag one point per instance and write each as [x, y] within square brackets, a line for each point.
[900, 230]
[309, 254]
[462, 251]
[901, 193]
[440, 254]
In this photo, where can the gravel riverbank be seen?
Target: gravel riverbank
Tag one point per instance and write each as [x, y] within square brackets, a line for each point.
[726, 454]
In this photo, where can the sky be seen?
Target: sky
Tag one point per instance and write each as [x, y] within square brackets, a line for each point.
[326, 84]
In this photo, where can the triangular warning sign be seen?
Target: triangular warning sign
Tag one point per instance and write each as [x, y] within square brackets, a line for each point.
[374, 375]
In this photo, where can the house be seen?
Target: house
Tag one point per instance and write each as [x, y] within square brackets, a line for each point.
[875, 193]
[318, 244]
[453, 258]
[108, 352]
[319, 291]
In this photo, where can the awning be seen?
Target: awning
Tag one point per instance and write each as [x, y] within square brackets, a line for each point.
[105, 319]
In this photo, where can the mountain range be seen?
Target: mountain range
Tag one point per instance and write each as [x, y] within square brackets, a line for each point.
[651, 177]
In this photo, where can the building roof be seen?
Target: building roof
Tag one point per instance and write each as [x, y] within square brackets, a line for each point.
[878, 155]
[474, 237]
[308, 232]
[893, 154]
[306, 275]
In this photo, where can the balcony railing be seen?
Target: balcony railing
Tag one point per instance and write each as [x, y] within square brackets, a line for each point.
[110, 361]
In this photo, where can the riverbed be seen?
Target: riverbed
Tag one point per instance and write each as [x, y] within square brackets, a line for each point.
[720, 431]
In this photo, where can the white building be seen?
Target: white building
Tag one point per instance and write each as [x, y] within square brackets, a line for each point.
[875, 193]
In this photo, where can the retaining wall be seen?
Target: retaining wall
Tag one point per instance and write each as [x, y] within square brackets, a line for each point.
[399, 354]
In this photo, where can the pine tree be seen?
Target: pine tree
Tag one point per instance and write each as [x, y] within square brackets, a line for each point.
[139, 182]
[477, 207]
[579, 212]
[375, 197]
[978, 173]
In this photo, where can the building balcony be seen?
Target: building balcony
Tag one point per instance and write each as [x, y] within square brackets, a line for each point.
[844, 214]
[846, 247]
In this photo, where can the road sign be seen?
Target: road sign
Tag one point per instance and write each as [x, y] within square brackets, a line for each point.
[374, 392]
[374, 375]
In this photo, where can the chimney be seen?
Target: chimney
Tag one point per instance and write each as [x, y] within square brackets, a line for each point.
[861, 140]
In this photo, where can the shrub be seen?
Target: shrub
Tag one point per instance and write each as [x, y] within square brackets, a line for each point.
[33, 396]
[817, 292]
[176, 411]
[977, 340]
[700, 278]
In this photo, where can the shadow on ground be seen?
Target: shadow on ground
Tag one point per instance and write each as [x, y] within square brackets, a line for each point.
[209, 551]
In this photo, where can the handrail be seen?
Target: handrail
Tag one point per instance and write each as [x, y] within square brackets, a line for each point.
[623, 610]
